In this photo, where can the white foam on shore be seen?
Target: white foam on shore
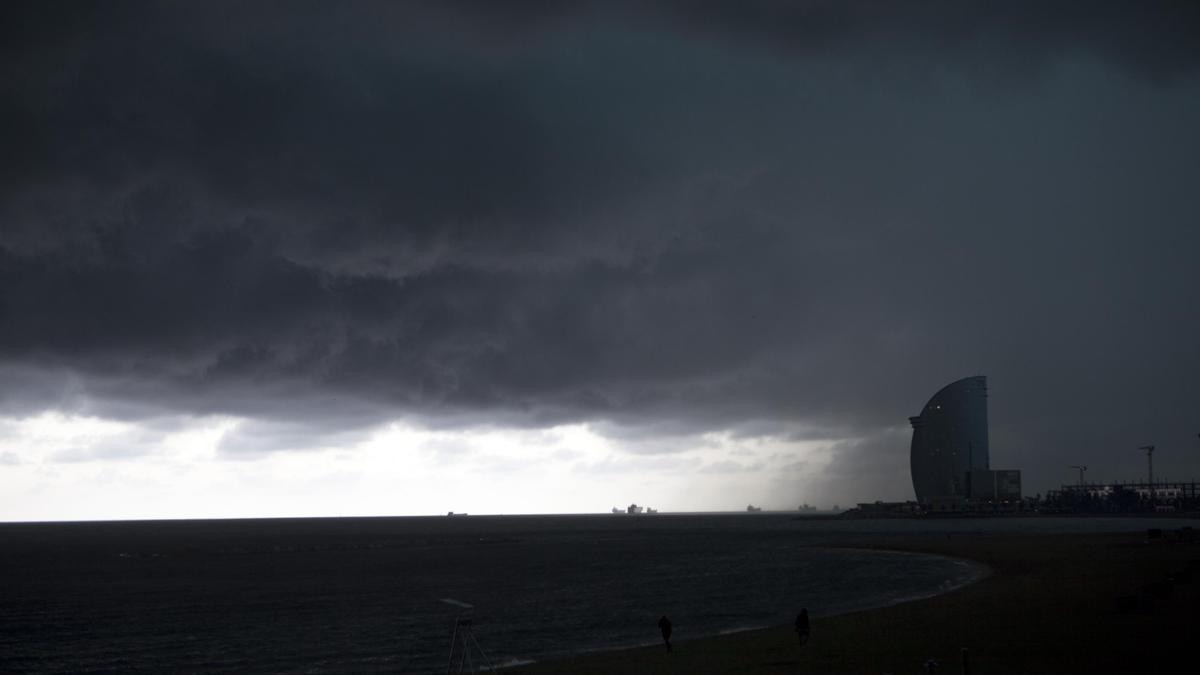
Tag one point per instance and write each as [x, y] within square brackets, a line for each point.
[514, 662]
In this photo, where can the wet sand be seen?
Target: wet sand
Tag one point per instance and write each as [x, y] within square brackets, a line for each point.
[1094, 603]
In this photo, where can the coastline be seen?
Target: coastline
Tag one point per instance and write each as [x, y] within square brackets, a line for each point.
[1055, 603]
[653, 642]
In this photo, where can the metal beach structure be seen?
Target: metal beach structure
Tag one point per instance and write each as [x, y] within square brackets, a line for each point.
[464, 644]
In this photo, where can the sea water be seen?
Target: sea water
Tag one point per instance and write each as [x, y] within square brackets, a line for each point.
[368, 594]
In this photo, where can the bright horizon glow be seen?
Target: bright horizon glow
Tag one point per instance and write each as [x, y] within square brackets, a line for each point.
[61, 467]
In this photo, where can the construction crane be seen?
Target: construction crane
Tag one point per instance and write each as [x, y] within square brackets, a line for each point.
[1081, 470]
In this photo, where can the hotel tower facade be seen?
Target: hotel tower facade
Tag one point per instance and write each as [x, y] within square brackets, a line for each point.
[950, 440]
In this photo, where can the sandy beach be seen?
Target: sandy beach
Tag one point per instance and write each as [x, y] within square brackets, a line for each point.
[1079, 603]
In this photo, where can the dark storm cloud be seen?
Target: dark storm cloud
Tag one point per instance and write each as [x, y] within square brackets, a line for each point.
[673, 217]
[1154, 39]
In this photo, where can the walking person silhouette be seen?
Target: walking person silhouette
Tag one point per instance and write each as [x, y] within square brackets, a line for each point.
[664, 625]
[802, 628]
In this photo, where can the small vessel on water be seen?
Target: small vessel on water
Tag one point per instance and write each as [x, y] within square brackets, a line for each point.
[634, 509]
[750, 508]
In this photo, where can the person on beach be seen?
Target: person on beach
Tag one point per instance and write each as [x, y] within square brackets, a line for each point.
[664, 625]
[802, 626]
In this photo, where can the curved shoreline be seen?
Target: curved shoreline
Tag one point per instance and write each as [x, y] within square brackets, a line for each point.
[979, 572]
[1047, 605]
[982, 571]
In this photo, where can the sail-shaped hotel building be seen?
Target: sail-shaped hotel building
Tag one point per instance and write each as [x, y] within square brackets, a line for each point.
[950, 442]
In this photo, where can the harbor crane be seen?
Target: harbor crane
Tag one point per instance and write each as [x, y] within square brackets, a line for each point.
[1081, 468]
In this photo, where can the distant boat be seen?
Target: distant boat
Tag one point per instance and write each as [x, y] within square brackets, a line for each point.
[448, 515]
[634, 509]
[750, 508]
[806, 507]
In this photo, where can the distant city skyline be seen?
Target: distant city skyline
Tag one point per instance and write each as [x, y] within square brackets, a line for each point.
[387, 258]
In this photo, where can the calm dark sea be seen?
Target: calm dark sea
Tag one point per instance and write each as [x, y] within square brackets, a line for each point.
[364, 594]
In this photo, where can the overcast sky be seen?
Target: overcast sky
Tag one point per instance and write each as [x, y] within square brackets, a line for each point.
[287, 258]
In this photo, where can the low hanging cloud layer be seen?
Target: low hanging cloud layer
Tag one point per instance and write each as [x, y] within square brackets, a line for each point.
[663, 219]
